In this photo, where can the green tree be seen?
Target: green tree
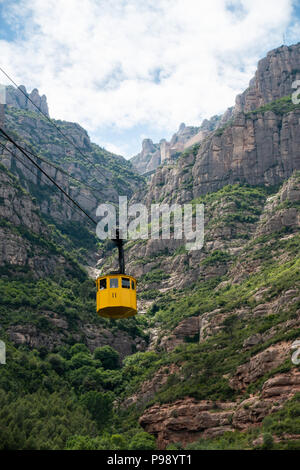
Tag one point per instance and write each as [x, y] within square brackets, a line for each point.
[79, 348]
[268, 441]
[83, 443]
[108, 356]
[229, 324]
[100, 406]
[84, 378]
[81, 359]
[118, 442]
[142, 441]
[41, 421]
[57, 363]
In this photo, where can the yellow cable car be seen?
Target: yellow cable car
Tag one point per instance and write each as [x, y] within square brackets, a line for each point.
[116, 296]
[116, 292]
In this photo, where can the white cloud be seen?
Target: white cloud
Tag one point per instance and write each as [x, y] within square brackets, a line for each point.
[125, 63]
[114, 148]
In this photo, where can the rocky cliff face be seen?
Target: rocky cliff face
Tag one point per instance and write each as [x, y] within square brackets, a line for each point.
[103, 175]
[273, 79]
[154, 155]
[248, 248]
[17, 99]
[21, 226]
[187, 420]
[258, 145]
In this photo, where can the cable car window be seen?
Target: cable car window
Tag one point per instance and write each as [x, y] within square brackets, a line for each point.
[102, 284]
[132, 285]
[125, 283]
[114, 282]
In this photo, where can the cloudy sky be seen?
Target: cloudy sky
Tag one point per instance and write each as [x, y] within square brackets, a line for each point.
[129, 69]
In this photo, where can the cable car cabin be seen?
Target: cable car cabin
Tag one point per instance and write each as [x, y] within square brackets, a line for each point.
[116, 296]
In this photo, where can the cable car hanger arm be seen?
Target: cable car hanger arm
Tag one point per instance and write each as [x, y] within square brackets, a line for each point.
[119, 242]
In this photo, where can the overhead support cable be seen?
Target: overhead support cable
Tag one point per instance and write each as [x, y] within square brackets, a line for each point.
[45, 173]
[49, 119]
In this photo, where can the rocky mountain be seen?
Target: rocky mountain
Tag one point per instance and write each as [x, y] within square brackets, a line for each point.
[98, 174]
[256, 146]
[154, 155]
[273, 79]
[223, 319]
[206, 364]
[221, 337]
[24, 100]
[35, 254]
[272, 82]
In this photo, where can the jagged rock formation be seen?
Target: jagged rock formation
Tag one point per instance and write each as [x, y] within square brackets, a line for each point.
[260, 149]
[187, 420]
[94, 336]
[154, 155]
[105, 174]
[17, 99]
[228, 228]
[33, 250]
[255, 146]
[273, 80]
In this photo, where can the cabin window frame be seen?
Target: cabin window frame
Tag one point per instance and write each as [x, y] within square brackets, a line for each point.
[124, 281]
[114, 280]
[103, 281]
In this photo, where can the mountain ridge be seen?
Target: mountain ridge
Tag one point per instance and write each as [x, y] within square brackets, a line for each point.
[272, 81]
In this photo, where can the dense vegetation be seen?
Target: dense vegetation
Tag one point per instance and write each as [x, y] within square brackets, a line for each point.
[64, 399]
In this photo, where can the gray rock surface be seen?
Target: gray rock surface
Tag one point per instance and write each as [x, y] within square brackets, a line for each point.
[17, 99]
